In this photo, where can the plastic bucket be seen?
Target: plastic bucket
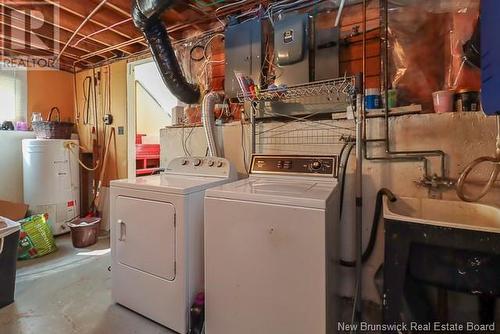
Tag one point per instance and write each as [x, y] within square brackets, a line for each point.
[84, 232]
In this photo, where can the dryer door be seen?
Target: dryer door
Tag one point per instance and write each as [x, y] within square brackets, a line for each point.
[145, 236]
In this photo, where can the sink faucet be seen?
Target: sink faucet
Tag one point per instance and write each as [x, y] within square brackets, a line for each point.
[435, 184]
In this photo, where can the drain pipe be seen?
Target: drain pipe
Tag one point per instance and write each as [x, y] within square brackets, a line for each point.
[208, 120]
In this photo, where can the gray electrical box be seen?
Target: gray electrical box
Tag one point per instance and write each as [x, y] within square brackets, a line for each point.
[243, 48]
[326, 53]
[292, 40]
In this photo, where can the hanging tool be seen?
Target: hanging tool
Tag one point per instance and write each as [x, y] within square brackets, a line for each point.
[97, 195]
[87, 95]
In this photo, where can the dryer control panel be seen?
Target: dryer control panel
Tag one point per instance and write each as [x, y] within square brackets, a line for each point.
[295, 165]
[201, 166]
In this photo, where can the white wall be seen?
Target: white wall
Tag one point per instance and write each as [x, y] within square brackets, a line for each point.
[150, 116]
[149, 76]
[11, 165]
[463, 137]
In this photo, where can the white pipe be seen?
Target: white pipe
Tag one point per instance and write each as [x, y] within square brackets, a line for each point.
[339, 14]
[96, 9]
[208, 120]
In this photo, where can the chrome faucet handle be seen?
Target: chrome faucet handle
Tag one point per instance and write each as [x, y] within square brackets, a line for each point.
[435, 182]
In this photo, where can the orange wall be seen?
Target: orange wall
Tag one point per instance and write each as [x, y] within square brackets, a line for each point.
[47, 89]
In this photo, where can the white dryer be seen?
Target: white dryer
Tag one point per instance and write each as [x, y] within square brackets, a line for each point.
[271, 249]
[157, 238]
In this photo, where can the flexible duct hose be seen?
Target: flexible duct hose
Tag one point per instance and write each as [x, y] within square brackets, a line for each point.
[493, 176]
[147, 17]
[208, 120]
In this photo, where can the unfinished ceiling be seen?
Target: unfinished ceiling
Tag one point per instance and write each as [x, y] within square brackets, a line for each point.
[86, 33]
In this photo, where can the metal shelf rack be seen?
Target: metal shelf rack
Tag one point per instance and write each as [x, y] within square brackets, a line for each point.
[335, 88]
[302, 113]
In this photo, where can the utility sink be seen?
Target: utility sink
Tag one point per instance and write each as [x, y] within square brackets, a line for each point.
[447, 244]
[454, 214]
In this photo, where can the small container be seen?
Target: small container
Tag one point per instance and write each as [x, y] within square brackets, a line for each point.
[22, 126]
[36, 117]
[443, 101]
[392, 98]
[84, 232]
[372, 98]
[467, 101]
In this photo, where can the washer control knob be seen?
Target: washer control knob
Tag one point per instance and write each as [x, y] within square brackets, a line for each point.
[315, 165]
[196, 162]
[211, 163]
[185, 162]
[220, 164]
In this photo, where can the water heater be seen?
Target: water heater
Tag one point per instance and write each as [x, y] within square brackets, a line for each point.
[51, 176]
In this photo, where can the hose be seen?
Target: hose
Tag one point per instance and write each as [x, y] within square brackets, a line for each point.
[69, 145]
[375, 223]
[493, 176]
[208, 120]
[378, 207]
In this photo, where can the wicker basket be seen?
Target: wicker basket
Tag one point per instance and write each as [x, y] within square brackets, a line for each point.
[53, 129]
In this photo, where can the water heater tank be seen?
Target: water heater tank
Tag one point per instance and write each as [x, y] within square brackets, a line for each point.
[52, 181]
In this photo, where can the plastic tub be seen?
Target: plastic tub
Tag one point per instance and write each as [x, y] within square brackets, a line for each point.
[9, 238]
[84, 232]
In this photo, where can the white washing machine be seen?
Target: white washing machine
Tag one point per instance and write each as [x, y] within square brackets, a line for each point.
[271, 249]
[157, 238]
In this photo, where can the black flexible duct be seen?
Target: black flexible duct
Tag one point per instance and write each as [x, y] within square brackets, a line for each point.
[147, 17]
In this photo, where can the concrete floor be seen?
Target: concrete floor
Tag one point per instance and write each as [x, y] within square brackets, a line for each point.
[69, 292]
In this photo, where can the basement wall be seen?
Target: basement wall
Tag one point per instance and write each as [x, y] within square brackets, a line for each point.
[48, 89]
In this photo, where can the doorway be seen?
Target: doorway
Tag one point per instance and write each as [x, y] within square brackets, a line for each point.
[150, 105]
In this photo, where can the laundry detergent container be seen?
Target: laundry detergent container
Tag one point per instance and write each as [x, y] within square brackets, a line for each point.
[9, 238]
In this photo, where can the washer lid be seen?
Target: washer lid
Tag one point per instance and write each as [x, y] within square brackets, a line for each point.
[172, 184]
[293, 191]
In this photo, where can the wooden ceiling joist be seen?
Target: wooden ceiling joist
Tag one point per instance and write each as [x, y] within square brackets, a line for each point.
[109, 33]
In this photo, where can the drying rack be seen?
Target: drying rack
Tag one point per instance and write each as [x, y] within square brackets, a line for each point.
[314, 126]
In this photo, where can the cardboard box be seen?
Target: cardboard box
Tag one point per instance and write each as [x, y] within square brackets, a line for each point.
[13, 211]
